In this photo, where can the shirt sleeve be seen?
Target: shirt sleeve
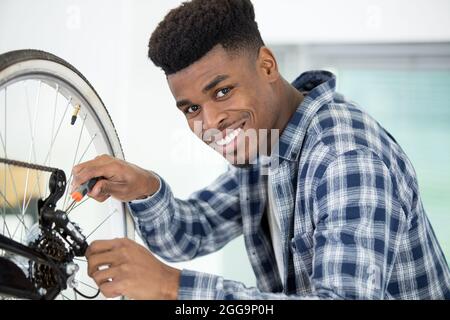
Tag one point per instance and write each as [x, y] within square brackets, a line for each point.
[179, 230]
[360, 221]
[358, 225]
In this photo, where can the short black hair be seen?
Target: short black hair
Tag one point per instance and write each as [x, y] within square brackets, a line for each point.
[191, 30]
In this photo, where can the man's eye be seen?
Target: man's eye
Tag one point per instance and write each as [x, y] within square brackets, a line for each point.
[192, 109]
[223, 92]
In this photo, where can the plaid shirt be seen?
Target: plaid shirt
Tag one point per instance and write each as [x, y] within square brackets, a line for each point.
[352, 222]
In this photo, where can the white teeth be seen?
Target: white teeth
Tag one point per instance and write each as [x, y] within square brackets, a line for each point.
[230, 137]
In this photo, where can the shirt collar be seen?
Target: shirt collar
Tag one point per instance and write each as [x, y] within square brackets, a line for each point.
[318, 87]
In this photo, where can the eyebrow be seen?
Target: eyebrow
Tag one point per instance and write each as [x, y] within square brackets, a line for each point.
[208, 87]
[183, 102]
[215, 82]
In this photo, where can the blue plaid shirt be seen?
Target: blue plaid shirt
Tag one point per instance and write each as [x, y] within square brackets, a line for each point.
[352, 222]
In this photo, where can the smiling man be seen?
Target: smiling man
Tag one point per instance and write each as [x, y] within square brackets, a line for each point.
[326, 199]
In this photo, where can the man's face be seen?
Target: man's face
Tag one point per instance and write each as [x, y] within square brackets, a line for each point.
[227, 98]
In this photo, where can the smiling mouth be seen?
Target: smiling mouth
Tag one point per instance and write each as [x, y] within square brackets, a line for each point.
[230, 137]
[231, 134]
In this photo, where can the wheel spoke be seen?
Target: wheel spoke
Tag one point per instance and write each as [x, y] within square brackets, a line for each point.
[87, 148]
[109, 216]
[52, 144]
[17, 216]
[32, 151]
[32, 126]
[65, 297]
[4, 145]
[87, 285]
[6, 109]
[5, 226]
[81, 260]
[53, 128]
[6, 200]
[82, 156]
[9, 169]
[76, 206]
[78, 162]
[74, 158]
[57, 130]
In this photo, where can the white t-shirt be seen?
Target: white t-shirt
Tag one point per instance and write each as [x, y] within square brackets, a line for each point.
[274, 226]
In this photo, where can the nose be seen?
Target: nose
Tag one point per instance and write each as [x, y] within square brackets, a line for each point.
[213, 117]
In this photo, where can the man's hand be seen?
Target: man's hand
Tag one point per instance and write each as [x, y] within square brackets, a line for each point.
[132, 271]
[121, 180]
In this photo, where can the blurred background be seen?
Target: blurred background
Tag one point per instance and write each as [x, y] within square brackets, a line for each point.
[392, 57]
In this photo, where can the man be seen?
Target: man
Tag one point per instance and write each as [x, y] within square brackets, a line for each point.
[329, 209]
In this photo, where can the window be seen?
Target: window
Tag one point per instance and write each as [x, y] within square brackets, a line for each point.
[406, 87]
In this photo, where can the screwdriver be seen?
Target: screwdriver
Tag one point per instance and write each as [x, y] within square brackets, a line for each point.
[81, 191]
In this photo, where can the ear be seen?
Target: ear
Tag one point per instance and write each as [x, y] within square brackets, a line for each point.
[268, 64]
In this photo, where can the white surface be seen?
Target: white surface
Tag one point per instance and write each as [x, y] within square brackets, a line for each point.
[353, 20]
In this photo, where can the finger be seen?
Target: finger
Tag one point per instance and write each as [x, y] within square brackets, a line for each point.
[94, 162]
[109, 274]
[86, 174]
[103, 187]
[112, 289]
[99, 246]
[100, 198]
[95, 261]
[105, 164]
[105, 171]
[100, 191]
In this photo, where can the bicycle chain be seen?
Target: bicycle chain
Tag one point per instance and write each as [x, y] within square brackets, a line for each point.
[27, 165]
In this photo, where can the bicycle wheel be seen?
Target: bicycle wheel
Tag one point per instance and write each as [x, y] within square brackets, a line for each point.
[39, 96]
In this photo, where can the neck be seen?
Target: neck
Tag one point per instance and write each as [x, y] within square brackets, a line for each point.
[290, 99]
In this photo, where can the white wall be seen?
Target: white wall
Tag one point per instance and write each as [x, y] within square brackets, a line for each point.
[107, 41]
[319, 21]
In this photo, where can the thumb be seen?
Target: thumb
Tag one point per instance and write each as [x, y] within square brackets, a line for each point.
[101, 189]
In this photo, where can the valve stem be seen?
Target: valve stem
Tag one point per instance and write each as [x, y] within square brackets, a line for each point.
[75, 114]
